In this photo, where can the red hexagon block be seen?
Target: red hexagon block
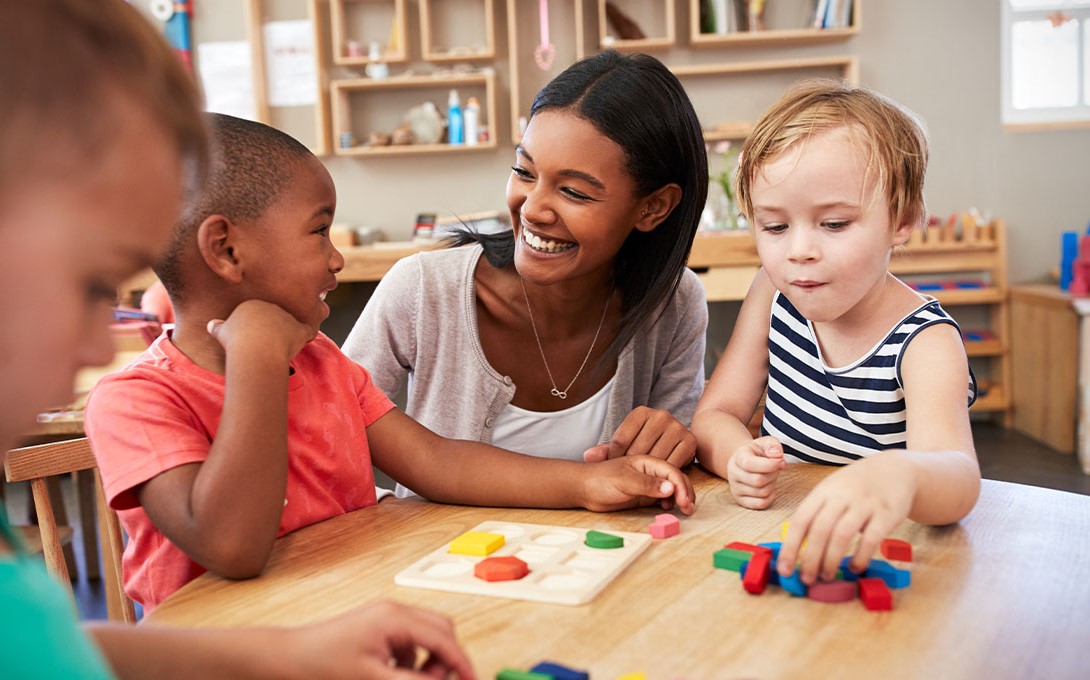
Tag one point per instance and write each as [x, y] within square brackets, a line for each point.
[501, 569]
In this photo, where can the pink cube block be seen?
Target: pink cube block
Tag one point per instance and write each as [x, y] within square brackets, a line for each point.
[664, 526]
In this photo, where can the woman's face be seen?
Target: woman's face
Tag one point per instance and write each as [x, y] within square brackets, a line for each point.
[68, 238]
[572, 201]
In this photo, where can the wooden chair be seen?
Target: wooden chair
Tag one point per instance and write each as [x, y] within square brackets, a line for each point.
[38, 463]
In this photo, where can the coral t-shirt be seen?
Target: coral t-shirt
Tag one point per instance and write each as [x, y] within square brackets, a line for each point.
[163, 411]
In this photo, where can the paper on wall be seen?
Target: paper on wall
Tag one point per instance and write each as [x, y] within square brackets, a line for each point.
[227, 78]
[289, 57]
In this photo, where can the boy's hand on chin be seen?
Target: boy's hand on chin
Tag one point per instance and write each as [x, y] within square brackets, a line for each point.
[635, 481]
[256, 323]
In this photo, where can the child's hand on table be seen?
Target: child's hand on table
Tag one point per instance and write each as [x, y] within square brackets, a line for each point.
[867, 499]
[649, 431]
[363, 642]
[635, 481]
[753, 470]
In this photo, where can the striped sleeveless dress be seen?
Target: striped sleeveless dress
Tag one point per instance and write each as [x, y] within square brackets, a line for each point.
[835, 416]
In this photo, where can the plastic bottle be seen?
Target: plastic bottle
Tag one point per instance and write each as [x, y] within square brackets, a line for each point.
[455, 129]
[472, 116]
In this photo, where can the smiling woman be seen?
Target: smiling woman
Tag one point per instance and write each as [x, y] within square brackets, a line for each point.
[580, 333]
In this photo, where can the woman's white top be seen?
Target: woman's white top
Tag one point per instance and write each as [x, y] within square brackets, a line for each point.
[557, 434]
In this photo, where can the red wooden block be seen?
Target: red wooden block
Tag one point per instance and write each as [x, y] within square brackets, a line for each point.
[896, 549]
[875, 594]
[757, 572]
[501, 569]
[832, 591]
[749, 547]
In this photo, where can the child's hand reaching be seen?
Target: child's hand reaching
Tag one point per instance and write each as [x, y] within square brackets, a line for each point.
[867, 499]
[650, 431]
[634, 481]
[363, 643]
[256, 323]
[753, 470]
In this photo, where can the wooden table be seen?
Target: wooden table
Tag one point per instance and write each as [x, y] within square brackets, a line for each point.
[1006, 593]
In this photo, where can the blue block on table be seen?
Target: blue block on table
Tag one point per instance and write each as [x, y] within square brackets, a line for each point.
[894, 577]
[774, 546]
[559, 672]
[846, 574]
[793, 584]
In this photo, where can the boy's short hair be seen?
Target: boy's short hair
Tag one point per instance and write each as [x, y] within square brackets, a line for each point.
[894, 138]
[100, 55]
[251, 165]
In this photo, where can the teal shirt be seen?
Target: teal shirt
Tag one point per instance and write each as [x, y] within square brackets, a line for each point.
[39, 634]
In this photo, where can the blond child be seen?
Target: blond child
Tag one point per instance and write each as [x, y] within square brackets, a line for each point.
[860, 370]
[99, 128]
[246, 423]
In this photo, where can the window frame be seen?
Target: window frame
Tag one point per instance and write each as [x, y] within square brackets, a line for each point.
[1044, 118]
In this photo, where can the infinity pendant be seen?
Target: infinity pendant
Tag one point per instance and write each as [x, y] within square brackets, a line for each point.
[557, 393]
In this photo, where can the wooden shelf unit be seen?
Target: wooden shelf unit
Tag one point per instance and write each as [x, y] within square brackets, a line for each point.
[773, 37]
[438, 53]
[344, 90]
[392, 33]
[665, 16]
[980, 250]
[846, 67]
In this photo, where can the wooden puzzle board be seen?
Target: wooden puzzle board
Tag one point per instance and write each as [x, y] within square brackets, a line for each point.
[563, 570]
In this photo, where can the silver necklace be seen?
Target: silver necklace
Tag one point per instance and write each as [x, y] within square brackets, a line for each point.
[555, 391]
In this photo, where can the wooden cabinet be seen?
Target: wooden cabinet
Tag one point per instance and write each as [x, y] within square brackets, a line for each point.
[1045, 364]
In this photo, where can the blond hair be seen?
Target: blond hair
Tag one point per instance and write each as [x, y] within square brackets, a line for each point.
[893, 138]
[65, 65]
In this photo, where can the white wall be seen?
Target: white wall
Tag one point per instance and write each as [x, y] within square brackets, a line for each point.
[939, 58]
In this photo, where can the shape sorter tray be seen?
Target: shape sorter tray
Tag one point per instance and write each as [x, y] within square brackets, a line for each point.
[562, 569]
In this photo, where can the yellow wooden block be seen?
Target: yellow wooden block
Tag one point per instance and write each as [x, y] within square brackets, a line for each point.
[638, 675]
[476, 543]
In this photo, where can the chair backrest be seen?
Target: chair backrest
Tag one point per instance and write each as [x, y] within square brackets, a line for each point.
[36, 464]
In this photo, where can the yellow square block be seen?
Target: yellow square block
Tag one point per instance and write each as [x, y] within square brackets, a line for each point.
[638, 675]
[476, 543]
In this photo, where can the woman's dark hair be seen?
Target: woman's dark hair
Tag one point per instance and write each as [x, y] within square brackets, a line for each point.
[638, 103]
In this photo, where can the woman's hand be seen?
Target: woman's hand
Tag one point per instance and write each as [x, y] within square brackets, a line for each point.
[648, 431]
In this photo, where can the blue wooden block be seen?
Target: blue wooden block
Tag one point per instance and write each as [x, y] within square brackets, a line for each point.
[793, 584]
[846, 574]
[894, 577]
[559, 672]
[774, 546]
[927, 286]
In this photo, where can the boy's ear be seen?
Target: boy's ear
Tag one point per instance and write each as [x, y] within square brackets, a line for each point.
[215, 240]
[657, 206]
[903, 232]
